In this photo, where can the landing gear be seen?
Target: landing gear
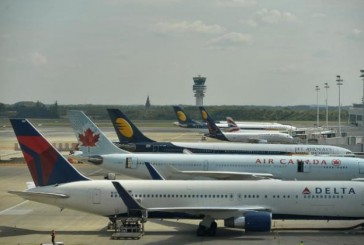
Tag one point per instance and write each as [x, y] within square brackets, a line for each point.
[207, 227]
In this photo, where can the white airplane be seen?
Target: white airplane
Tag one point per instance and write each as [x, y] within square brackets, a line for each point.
[230, 123]
[244, 135]
[250, 205]
[132, 139]
[98, 149]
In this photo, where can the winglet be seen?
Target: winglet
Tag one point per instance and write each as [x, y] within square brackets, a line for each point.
[46, 165]
[154, 172]
[130, 202]
[126, 130]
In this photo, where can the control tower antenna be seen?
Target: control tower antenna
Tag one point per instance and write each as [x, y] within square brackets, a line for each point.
[199, 89]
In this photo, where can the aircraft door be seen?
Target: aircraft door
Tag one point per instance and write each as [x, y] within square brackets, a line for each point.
[205, 166]
[155, 148]
[96, 196]
[361, 168]
[302, 167]
[131, 162]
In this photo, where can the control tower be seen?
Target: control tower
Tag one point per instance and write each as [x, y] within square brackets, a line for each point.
[199, 89]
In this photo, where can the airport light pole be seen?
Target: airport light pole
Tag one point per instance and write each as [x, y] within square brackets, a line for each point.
[327, 107]
[317, 103]
[362, 100]
[339, 82]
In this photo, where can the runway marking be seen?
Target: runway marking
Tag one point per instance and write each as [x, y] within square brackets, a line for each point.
[8, 209]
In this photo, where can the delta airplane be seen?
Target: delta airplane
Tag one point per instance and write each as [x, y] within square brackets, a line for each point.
[250, 205]
[96, 148]
[132, 139]
[244, 135]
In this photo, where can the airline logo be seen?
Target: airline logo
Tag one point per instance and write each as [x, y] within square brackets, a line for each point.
[336, 162]
[330, 191]
[204, 115]
[181, 116]
[88, 138]
[124, 127]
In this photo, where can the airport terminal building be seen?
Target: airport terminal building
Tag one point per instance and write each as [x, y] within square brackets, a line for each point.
[356, 113]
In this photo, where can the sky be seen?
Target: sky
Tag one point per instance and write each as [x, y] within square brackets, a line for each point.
[117, 52]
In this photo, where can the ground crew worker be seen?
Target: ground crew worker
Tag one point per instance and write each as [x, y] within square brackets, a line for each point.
[53, 235]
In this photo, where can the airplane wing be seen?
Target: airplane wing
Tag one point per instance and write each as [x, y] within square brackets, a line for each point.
[223, 175]
[31, 195]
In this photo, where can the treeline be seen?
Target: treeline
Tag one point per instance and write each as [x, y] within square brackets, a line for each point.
[139, 112]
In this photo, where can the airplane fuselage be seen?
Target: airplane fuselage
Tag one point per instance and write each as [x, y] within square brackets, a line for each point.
[219, 199]
[281, 167]
[236, 148]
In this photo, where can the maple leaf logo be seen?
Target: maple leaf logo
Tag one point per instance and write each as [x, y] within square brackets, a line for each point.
[336, 162]
[88, 138]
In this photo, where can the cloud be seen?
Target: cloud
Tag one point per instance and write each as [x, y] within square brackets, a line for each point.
[274, 16]
[355, 34]
[236, 3]
[37, 59]
[186, 26]
[231, 39]
[269, 17]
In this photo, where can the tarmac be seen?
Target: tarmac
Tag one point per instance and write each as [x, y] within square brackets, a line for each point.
[25, 222]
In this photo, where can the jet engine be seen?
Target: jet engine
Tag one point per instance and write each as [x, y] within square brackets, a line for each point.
[252, 221]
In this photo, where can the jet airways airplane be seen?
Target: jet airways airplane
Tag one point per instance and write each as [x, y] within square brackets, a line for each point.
[185, 121]
[244, 135]
[132, 139]
[98, 149]
[250, 205]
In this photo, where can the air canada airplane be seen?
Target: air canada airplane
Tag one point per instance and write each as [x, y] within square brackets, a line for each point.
[96, 148]
[251, 136]
[132, 139]
[250, 205]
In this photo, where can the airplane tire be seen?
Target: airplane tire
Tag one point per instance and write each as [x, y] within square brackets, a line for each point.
[201, 231]
[212, 230]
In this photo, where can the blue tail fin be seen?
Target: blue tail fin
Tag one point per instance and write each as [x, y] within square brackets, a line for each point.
[92, 141]
[46, 165]
[182, 117]
[126, 130]
[214, 131]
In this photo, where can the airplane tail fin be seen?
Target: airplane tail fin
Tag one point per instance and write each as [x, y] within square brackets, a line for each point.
[92, 141]
[126, 130]
[232, 125]
[214, 131]
[46, 165]
[182, 117]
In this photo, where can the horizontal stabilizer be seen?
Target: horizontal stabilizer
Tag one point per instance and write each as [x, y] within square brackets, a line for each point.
[31, 195]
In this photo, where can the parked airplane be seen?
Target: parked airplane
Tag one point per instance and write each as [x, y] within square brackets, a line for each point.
[244, 135]
[250, 205]
[185, 121]
[98, 149]
[132, 139]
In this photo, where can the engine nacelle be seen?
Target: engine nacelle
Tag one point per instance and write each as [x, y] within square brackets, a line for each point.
[252, 221]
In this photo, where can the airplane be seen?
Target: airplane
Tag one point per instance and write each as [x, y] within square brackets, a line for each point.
[132, 139]
[251, 136]
[185, 121]
[97, 149]
[249, 205]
